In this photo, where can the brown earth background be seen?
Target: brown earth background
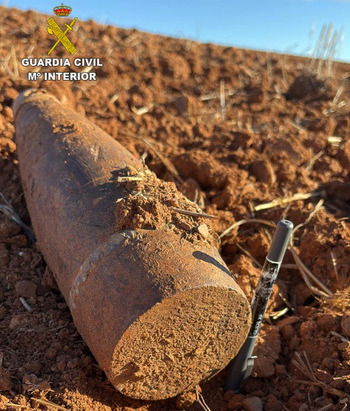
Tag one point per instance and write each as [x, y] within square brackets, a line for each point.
[241, 128]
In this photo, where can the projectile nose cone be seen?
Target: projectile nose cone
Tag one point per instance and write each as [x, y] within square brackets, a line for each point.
[27, 95]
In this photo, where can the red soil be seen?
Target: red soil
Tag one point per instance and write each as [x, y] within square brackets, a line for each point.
[270, 142]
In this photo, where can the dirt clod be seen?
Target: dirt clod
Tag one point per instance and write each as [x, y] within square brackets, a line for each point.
[308, 85]
[203, 231]
[155, 204]
[26, 288]
[345, 325]
[185, 401]
[5, 380]
[252, 404]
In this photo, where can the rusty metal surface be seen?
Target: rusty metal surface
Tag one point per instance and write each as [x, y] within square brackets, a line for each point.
[119, 284]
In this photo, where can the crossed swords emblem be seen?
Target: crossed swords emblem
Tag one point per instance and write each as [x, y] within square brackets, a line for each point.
[55, 29]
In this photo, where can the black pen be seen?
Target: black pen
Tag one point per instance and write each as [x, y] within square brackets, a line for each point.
[242, 365]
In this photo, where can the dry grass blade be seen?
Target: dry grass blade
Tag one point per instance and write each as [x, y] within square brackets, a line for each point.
[327, 47]
[25, 305]
[87, 69]
[326, 407]
[283, 201]
[307, 275]
[248, 254]
[341, 338]
[10, 213]
[209, 96]
[305, 368]
[334, 262]
[275, 315]
[297, 126]
[338, 94]
[335, 140]
[114, 98]
[324, 49]
[11, 404]
[165, 161]
[285, 301]
[319, 205]
[48, 403]
[191, 213]
[331, 52]
[201, 401]
[6, 66]
[269, 68]
[338, 303]
[343, 377]
[247, 221]
[222, 100]
[124, 179]
[142, 110]
[316, 53]
[311, 162]
[327, 388]
[15, 63]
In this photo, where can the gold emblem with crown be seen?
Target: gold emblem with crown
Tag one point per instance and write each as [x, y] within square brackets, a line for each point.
[62, 10]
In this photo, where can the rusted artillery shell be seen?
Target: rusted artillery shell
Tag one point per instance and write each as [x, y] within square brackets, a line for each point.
[159, 313]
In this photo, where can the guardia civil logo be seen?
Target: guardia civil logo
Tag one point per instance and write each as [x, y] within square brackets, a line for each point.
[61, 39]
[61, 36]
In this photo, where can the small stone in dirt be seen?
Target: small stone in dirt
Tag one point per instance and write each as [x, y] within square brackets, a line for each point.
[5, 380]
[203, 230]
[252, 404]
[345, 325]
[17, 320]
[185, 225]
[185, 400]
[26, 288]
[8, 113]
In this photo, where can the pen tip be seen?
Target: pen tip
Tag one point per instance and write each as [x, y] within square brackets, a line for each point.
[286, 224]
[280, 241]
